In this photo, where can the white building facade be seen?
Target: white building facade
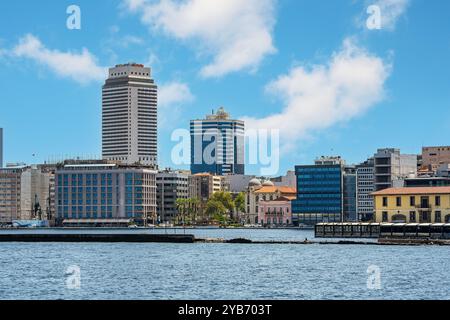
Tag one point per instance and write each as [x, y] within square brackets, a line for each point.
[365, 182]
[129, 115]
[25, 193]
[171, 185]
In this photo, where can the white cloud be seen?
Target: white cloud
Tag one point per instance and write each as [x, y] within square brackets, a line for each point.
[128, 40]
[152, 60]
[321, 96]
[171, 99]
[237, 34]
[122, 41]
[80, 67]
[174, 93]
[391, 11]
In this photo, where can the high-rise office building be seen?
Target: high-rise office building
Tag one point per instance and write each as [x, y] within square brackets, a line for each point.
[129, 115]
[320, 191]
[217, 145]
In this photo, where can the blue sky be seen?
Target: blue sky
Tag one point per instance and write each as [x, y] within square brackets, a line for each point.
[310, 67]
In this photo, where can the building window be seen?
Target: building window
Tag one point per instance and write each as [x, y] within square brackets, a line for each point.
[437, 217]
[385, 216]
[385, 201]
[438, 201]
[399, 201]
[412, 216]
[412, 201]
[424, 217]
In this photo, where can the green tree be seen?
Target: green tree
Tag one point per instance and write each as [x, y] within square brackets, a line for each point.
[222, 202]
[181, 205]
[239, 203]
[225, 198]
[216, 210]
[194, 207]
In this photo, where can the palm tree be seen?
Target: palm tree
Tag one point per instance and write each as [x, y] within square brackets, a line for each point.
[195, 203]
[181, 208]
[239, 204]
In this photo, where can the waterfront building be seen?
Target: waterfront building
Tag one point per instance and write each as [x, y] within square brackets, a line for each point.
[263, 191]
[413, 205]
[365, 185]
[319, 192]
[350, 194]
[98, 193]
[390, 167]
[217, 145]
[203, 185]
[434, 157]
[170, 186]
[275, 213]
[25, 193]
[129, 115]
[49, 170]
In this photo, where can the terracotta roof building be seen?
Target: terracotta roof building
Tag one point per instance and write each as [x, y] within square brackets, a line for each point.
[413, 205]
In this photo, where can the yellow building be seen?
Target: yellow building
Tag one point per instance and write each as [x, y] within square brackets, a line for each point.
[413, 205]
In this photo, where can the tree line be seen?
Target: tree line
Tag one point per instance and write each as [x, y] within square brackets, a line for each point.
[220, 209]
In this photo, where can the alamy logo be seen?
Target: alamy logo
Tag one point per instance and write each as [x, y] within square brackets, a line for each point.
[74, 19]
[374, 20]
[73, 278]
[374, 277]
[210, 147]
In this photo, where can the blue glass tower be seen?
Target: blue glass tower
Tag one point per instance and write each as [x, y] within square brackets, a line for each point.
[217, 145]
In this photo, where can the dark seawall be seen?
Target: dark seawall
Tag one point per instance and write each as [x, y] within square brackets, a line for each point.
[72, 237]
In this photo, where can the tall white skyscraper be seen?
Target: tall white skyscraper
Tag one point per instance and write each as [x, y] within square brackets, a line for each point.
[129, 115]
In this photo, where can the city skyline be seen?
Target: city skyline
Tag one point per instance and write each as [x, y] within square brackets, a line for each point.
[211, 158]
[63, 104]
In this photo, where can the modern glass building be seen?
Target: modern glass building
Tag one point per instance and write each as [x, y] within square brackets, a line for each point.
[86, 192]
[217, 145]
[319, 194]
[350, 194]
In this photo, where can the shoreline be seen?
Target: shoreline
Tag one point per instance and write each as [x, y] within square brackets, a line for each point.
[137, 236]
